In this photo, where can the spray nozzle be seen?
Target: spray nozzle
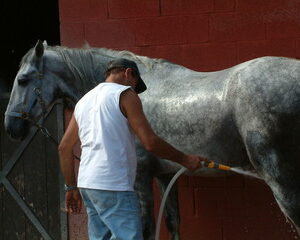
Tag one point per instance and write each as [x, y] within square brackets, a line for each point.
[211, 164]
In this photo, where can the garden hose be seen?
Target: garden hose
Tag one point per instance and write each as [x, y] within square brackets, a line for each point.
[209, 164]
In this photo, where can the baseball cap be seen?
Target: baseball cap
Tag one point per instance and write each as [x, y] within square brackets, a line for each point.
[125, 63]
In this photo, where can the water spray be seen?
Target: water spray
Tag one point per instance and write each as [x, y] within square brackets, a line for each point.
[211, 164]
[208, 164]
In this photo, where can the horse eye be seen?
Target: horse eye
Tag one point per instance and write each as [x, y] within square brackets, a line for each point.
[22, 80]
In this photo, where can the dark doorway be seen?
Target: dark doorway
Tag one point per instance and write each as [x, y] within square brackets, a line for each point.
[22, 24]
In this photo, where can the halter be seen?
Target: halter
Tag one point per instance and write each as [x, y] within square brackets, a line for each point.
[25, 115]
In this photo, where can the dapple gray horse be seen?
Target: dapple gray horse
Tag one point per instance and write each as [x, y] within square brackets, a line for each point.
[247, 116]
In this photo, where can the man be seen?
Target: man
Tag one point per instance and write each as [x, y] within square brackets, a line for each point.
[106, 120]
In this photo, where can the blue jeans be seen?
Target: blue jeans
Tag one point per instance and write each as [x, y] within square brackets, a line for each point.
[112, 215]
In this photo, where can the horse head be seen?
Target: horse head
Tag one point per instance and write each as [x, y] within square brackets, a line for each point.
[35, 88]
[47, 73]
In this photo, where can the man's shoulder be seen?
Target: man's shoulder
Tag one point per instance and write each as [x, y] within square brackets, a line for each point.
[130, 100]
[129, 93]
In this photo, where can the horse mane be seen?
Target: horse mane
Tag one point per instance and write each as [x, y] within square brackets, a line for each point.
[81, 63]
[85, 66]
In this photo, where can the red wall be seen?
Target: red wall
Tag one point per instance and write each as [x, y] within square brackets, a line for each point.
[204, 35]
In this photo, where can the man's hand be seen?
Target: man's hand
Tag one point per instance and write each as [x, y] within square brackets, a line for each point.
[193, 162]
[73, 201]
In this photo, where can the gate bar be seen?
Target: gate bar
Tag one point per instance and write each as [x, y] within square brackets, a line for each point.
[24, 207]
[17, 154]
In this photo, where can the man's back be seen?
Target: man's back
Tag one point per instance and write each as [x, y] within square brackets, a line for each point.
[108, 159]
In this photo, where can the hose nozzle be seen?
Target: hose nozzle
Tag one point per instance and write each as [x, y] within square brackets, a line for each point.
[215, 165]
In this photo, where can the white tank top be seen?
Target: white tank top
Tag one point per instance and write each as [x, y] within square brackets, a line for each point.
[108, 158]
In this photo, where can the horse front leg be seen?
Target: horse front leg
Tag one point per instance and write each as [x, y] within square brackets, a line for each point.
[172, 215]
[146, 165]
[143, 187]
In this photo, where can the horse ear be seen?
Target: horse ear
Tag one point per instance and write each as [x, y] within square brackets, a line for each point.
[86, 45]
[39, 49]
[45, 44]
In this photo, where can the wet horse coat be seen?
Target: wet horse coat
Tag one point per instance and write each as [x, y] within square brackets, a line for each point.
[247, 116]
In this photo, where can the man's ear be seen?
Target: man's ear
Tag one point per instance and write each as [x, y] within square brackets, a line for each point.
[128, 72]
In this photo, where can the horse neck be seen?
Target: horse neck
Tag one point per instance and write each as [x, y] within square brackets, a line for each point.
[79, 73]
[151, 69]
[147, 66]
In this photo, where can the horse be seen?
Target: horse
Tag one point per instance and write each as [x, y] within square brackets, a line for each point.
[246, 116]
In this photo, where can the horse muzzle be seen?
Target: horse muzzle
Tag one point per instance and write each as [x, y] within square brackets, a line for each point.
[16, 128]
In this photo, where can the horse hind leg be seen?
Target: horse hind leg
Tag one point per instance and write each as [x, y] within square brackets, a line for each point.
[277, 162]
[290, 207]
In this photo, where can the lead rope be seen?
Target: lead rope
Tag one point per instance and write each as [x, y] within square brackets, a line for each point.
[41, 126]
[46, 133]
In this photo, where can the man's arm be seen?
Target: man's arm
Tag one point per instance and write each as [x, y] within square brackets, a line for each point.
[132, 107]
[73, 198]
[65, 150]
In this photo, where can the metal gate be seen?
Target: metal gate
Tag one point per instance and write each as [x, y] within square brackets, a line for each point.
[31, 186]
